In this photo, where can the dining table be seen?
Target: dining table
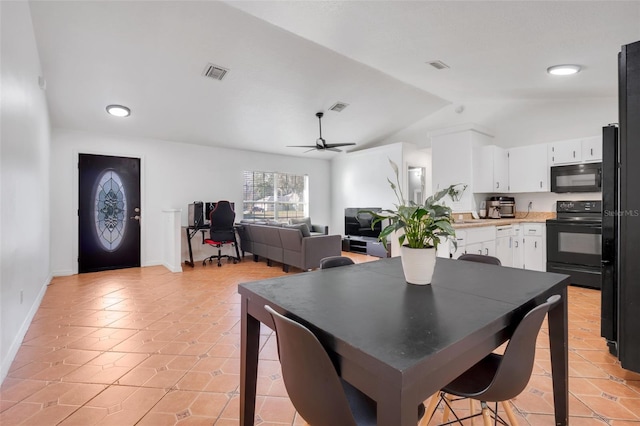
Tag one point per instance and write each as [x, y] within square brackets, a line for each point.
[400, 343]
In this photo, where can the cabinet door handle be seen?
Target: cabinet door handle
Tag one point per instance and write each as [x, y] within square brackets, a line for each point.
[497, 185]
[480, 251]
[591, 151]
[535, 244]
[486, 251]
[516, 242]
[540, 184]
[574, 154]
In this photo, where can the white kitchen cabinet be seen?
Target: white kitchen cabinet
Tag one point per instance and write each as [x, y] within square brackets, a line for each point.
[576, 151]
[592, 149]
[480, 241]
[534, 248]
[452, 163]
[518, 247]
[565, 152]
[504, 244]
[449, 250]
[529, 169]
[490, 169]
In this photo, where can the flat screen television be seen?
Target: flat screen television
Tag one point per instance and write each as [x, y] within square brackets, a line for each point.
[359, 224]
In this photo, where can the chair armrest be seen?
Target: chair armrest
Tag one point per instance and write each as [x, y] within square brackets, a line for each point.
[320, 228]
[317, 247]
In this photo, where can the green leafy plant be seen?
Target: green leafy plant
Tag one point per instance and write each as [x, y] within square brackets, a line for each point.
[455, 192]
[423, 224]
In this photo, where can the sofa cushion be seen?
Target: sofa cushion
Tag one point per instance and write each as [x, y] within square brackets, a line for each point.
[306, 220]
[304, 229]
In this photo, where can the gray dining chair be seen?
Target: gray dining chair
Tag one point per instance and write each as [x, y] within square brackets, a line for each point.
[335, 261]
[498, 378]
[316, 390]
[480, 258]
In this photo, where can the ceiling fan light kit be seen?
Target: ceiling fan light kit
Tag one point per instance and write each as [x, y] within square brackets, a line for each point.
[321, 144]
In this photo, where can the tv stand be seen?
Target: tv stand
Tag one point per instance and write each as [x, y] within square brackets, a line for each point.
[366, 245]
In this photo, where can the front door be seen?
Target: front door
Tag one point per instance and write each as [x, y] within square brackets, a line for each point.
[108, 213]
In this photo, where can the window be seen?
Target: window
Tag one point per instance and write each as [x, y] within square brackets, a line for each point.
[275, 196]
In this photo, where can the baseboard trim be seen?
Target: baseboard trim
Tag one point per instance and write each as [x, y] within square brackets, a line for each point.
[17, 341]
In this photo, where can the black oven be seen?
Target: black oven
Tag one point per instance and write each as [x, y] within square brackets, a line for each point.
[574, 242]
[577, 178]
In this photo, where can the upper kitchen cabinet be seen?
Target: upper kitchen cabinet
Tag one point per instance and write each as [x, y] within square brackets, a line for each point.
[565, 152]
[452, 154]
[592, 149]
[575, 151]
[490, 169]
[528, 169]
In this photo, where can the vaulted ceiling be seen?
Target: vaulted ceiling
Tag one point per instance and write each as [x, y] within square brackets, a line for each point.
[288, 60]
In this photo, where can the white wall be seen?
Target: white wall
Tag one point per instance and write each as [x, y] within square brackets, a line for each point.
[24, 181]
[359, 179]
[173, 175]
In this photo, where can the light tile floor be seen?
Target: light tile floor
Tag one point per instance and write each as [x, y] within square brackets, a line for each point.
[146, 346]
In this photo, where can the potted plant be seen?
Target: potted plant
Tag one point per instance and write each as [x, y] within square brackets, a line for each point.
[421, 226]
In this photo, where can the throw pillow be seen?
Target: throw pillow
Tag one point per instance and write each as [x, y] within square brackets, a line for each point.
[306, 220]
[302, 227]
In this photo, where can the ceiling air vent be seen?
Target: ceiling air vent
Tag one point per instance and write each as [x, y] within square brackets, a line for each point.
[214, 71]
[338, 106]
[439, 65]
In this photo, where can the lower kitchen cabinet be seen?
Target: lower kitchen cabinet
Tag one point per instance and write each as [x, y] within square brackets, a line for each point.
[517, 247]
[534, 252]
[504, 245]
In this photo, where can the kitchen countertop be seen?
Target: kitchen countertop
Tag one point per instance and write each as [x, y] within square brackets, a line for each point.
[532, 217]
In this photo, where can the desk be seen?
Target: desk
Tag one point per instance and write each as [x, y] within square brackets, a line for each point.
[400, 343]
[191, 231]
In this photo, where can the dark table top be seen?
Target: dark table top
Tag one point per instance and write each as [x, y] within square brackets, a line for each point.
[370, 309]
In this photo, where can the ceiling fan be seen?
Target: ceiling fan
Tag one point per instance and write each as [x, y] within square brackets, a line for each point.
[321, 144]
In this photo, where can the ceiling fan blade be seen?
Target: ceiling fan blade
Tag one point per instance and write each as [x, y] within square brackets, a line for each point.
[302, 146]
[336, 145]
[312, 149]
[332, 149]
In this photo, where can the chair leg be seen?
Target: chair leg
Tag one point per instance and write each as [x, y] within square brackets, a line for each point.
[510, 415]
[447, 410]
[433, 404]
[486, 414]
[472, 409]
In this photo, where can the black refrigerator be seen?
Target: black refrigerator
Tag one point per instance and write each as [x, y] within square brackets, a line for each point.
[621, 217]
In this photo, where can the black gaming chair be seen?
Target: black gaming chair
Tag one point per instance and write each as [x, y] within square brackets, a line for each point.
[222, 232]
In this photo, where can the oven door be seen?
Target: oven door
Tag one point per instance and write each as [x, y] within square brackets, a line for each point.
[574, 242]
[577, 178]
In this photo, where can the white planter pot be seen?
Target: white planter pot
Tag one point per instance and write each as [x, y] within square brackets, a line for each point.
[418, 264]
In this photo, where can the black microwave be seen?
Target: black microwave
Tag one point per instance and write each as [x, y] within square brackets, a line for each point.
[577, 178]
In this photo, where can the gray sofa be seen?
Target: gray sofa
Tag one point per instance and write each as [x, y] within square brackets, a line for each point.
[287, 244]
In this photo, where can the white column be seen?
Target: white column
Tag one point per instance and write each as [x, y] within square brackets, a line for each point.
[171, 258]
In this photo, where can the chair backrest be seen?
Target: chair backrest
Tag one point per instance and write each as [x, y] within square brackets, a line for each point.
[334, 261]
[516, 365]
[480, 258]
[222, 218]
[310, 377]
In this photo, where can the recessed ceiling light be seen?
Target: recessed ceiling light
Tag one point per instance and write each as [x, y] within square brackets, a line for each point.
[118, 110]
[563, 69]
